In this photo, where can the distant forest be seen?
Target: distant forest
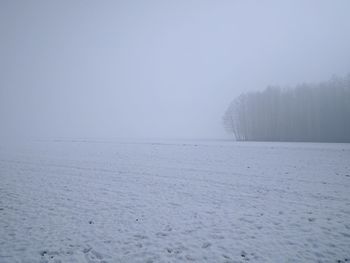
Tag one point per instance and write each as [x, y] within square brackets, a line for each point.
[307, 112]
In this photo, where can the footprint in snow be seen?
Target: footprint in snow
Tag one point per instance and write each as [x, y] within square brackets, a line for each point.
[206, 245]
[87, 250]
[168, 228]
[161, 234]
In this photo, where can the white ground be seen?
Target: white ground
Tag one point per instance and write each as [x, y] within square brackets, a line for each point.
[85, 201]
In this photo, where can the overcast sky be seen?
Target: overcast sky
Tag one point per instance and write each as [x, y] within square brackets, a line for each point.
[157, 68]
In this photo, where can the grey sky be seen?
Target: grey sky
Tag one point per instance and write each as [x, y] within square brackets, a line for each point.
[157, 68]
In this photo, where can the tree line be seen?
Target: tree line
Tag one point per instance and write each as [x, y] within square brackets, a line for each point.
[308, 112]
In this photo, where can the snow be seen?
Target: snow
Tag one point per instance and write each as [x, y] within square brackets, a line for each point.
[174, 201]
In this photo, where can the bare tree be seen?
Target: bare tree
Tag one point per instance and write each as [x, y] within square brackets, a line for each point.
[308, 112]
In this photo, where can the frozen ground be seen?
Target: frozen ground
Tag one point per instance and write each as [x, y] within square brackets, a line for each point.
[90, 201]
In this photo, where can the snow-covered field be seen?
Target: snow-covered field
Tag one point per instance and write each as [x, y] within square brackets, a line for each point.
[203, 201]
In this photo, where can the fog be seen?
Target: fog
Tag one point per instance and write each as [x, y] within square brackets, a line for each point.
[165, 69]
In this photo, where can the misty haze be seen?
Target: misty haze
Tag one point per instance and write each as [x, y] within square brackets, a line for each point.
[174, 131]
